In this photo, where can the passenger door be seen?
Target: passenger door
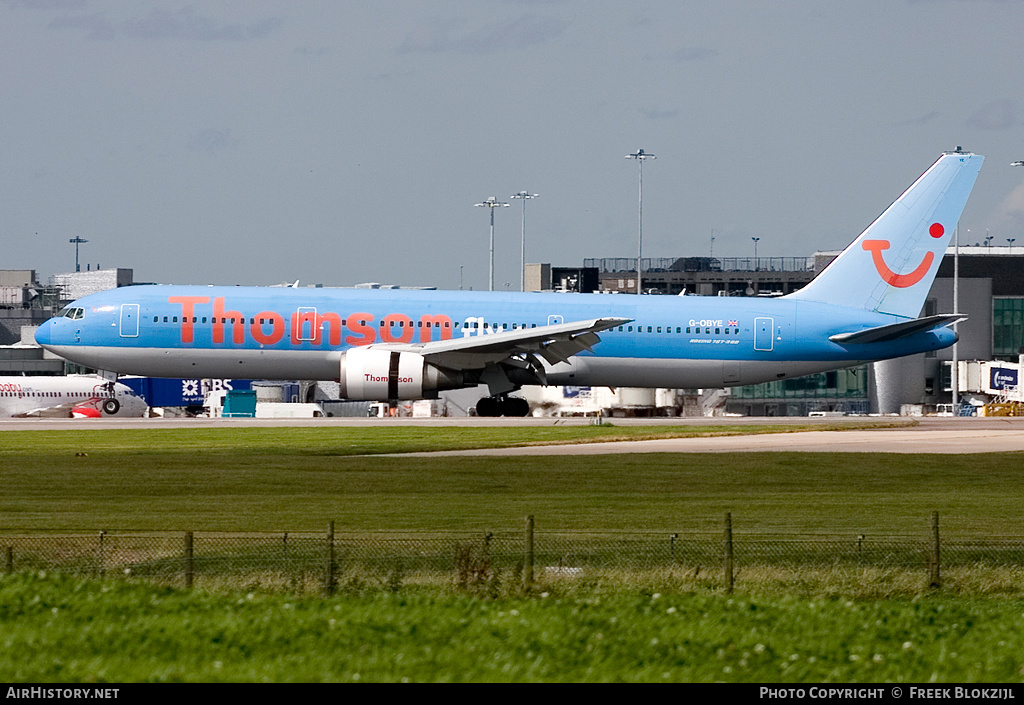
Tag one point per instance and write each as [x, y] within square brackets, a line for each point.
[764, 339]
[129, 320]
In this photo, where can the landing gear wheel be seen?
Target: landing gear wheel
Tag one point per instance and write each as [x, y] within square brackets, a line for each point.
[515, 406]
[502, 406]
[488, 407]
[111, 406]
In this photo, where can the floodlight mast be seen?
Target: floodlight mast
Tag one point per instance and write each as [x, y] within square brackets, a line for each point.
[524, 196]
[491, 204]
[77, 241]
[954, 382]
[640, 155]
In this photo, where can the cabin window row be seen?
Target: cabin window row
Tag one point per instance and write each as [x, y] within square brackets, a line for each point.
[266, 321]
[689, 330]
[399, 324]
[496, 326]
[47, 395]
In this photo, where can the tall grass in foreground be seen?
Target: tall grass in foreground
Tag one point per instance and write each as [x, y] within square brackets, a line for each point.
[56, 628]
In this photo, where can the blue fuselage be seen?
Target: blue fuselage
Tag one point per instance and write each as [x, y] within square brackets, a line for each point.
[285, 333]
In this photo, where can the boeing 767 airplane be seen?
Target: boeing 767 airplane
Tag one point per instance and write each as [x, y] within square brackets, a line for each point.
[389, 345]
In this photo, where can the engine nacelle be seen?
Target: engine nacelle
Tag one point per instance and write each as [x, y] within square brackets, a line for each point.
[369, 374]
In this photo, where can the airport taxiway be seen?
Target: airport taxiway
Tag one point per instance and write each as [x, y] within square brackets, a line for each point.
[926, 435]
[870, 441]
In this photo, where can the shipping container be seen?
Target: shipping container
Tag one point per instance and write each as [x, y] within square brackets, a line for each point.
[159, 391]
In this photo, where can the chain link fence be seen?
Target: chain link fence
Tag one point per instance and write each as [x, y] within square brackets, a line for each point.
[307, 562]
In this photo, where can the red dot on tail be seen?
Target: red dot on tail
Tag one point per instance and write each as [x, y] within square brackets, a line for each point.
[936, 230]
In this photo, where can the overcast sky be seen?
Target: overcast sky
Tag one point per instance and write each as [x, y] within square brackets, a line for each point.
[338, 142]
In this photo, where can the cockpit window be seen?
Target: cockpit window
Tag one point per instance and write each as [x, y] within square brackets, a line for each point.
[74, 313]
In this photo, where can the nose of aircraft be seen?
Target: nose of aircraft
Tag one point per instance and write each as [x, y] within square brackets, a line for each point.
[44, 333]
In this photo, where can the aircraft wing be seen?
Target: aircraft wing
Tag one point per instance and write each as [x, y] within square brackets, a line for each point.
[555, 343]
[893, 331]
[58, 411]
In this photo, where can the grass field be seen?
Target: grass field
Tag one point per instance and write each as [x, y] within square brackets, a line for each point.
[300, 478]
[66, 630]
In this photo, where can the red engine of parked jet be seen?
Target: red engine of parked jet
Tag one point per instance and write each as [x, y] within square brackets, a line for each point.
[369, 374]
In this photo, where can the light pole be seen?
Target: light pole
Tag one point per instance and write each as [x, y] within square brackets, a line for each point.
[954, 382]
[524, 196]
[640, 155]
[491, 203]
[77, 241]
[1019, 163]
[755, 239]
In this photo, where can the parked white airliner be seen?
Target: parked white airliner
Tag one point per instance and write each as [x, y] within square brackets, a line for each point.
[75, 396]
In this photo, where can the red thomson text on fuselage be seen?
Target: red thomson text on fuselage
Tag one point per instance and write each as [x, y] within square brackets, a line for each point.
[304, 325]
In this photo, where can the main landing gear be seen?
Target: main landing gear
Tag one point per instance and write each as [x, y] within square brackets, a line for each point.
[502, 405]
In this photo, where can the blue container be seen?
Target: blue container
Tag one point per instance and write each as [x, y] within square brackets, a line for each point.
[240, 402]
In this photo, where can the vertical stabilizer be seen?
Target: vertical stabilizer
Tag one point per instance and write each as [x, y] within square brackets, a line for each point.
[891, 266]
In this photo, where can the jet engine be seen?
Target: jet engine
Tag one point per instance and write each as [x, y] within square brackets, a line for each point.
[369, 374]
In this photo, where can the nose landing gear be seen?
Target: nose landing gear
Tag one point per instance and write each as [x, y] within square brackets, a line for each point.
[111, 405]
[502, 405]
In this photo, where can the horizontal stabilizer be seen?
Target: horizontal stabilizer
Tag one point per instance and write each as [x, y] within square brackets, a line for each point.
[883, 334]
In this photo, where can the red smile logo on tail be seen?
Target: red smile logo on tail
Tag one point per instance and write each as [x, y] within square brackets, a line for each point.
[902, 281]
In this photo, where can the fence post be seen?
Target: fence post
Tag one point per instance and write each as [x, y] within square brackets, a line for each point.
[528, 557]
[99, 557]
[9, 560]
[330, 567]
[284, 559]
[727, 540]
[190, 566]
[935, 581]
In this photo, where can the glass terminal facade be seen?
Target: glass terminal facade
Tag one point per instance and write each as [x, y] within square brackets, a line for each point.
[1007, 328]
[837, 390]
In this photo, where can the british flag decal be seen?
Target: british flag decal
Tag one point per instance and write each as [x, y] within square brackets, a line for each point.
[734, 323]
